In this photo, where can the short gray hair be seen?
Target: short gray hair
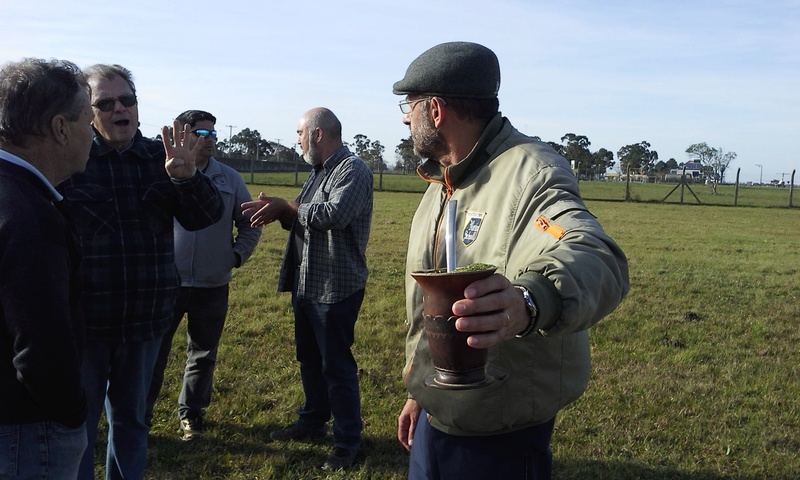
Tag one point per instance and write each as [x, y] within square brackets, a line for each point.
[32, 92]
[325, 120]
[109, 72]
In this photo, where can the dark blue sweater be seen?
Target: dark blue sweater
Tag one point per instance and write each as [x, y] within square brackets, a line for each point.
[41, 326]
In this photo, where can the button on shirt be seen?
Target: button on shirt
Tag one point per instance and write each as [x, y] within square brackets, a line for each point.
[123, 207]
[336, 223]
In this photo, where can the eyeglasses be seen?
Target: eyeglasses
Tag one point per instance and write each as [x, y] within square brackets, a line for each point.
[107, 104]
[202, 132]
[408, 106]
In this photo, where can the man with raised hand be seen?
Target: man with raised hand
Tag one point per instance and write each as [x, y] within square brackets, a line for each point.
[123, 206]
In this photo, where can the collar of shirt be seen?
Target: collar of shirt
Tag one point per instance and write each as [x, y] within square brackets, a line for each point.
[337, 158]
[100, 147]
[11, 158]
[457, 172]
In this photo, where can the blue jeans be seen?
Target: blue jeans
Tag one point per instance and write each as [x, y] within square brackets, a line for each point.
[205, 310]
[323, 337]
[117, 376]
[524, 454]
[45, 450]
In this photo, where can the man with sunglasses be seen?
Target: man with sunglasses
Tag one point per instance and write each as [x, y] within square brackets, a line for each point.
[204, 259]
[558, 273]
[123, 206]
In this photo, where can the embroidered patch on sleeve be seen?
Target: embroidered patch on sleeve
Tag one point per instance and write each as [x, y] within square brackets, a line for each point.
[544, 225]
[472, 226]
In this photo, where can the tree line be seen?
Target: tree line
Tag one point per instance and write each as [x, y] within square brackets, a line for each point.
[248, 144]
[637, 158]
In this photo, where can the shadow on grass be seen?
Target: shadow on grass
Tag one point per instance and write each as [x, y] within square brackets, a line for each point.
[230, 451]
[236, 452]
[622, 470]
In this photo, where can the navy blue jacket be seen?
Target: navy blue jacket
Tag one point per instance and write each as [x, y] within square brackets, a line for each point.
[41, 325]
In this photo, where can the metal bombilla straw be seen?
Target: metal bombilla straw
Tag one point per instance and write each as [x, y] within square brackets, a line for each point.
[450, 236]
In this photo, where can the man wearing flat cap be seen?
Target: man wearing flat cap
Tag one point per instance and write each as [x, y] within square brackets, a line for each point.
[558, 273]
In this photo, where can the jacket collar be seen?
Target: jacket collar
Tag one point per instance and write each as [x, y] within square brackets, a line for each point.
[453, 175]
[100, 147]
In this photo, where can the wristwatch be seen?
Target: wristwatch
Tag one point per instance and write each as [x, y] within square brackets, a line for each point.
[526, 296]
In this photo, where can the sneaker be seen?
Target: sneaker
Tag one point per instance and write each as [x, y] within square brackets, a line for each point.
[296, 431]
[192, 427]
[340, 458]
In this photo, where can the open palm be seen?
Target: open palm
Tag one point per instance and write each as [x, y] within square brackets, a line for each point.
[181, 148]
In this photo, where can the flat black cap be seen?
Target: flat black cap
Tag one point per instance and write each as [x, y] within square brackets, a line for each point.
[454, 69]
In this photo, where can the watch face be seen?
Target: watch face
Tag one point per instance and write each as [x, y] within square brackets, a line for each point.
[526, 295]
[532, 310]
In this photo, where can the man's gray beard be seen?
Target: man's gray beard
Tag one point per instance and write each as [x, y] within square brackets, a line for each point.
[426, 139]
[311, 155]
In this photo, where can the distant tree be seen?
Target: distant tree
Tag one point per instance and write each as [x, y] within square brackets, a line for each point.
[376, 154]
[246, 144]
[371, 152]
[407, 160]
[576, 151]
[361, 144]
[602, 160]
[672, 163]
[637, 157]
[714, 161]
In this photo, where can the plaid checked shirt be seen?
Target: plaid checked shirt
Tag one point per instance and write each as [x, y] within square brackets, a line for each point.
[337, 224]
[123, 207]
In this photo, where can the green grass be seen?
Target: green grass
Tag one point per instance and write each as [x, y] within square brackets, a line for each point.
[696, 375]
[747, 195]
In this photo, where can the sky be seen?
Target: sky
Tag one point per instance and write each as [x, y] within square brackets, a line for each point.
[672, 72]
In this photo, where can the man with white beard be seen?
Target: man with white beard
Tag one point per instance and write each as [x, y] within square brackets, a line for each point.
[325, 268]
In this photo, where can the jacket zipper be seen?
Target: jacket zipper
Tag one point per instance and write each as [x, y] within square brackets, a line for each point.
[439, 221]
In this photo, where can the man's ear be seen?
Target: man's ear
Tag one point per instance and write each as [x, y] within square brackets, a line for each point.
[438, 111]
[59, 129]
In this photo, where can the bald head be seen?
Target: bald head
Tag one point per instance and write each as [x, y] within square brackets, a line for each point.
[319, 135]
[326, 121]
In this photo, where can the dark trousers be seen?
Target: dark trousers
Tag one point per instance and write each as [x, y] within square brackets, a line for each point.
[323, 337]
[524, 454]
[205, 310]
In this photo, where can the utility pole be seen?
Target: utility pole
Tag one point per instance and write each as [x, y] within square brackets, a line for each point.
[230, 134]
[277, 152]
[253, 159]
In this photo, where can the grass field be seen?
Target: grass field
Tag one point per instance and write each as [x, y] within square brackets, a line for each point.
[696, 375]
[726, 195]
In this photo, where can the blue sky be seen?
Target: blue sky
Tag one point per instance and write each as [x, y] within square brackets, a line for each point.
[671, 73]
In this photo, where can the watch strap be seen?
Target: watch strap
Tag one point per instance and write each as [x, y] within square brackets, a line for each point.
[532, 310]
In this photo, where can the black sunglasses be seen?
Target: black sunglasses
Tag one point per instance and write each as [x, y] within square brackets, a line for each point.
[107, 104]
[202, 132]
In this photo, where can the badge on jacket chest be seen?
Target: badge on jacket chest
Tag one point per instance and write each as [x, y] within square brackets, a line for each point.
[472, 226]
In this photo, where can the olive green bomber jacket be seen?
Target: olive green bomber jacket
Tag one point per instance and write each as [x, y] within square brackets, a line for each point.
[519, 209]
